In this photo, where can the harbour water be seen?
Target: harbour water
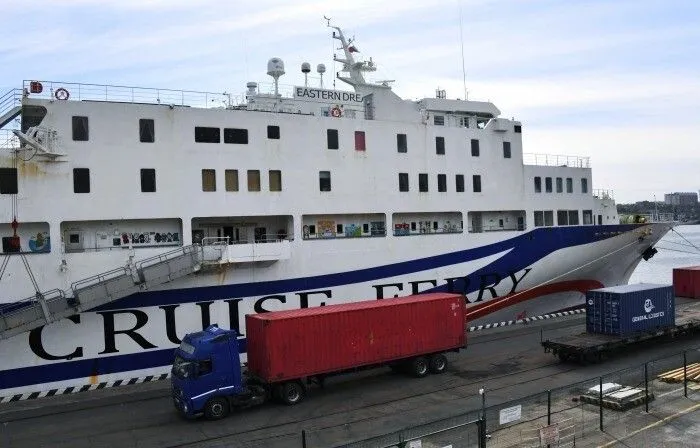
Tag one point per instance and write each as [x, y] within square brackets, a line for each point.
[675, 249]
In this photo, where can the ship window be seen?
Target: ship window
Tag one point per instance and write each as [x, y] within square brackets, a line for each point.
[81, 180]
[439, 145]
[148, 180]
[332, 135]
[560, 185]
[236, 136]
[517, 129]
[253, 180]
[539, 218]
[208, 180]
[231, 180]
[360, 141]
[439, 120]
[147, 130]
[506, 150]
[562, 217]
[403, 181]
[413, 226]
[312, 229]
[365, 228]
[548, 184]
[8, 180]
[476, 182]
[80, 129]
[584, 185]
[442, 183]
[273, 132]
[207, 135]
[401, 143]
[422, 182]
[324, 179]
[464, 122]
[339, 228]
[548, 218]
[275, 180]
[435, 225]
[475, 147]
[569, 185]
[459, 183]
[587, 217]
[573, 217]
[538, 184]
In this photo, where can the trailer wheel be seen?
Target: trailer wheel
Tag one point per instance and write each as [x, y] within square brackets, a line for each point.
[291, 392]
[438, 363]
[419, 367]
[216, 408]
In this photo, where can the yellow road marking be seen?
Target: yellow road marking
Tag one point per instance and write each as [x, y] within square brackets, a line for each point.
[660, 422]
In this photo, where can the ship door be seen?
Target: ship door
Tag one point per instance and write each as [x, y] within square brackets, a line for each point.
[521, 223]
[228, 233]
[600, 220]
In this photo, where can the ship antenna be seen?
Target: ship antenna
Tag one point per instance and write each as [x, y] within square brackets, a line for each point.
[461, 40]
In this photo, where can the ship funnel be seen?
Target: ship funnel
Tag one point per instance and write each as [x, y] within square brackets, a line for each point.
[275, 68]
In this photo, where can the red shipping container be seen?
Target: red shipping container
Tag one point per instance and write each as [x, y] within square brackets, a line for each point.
[686, 282]
[294, 344]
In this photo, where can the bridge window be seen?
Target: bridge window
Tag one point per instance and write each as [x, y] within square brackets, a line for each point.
[253, 180]
[148, 180]
[236, 136]
[207, 135]
[273, 132]
[403, 181]
[275, 180]
[517, 129]
[80, 129]
[208, 180]
[476, 181]
[401, 143]
[8, 180]
[584, 185]
[81, 180]
[440, 145]
[439, 120]
[231, 180]
[506, 150]
[548, 184]
[459, 183]
[560, 185]
[147, 130]
[332, 136]
[538, 184]
[324, 179]
[569, 185]
[475, 147]
[442, 182]
[423, 182]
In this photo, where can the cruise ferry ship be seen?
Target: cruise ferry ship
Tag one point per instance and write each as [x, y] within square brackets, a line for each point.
[131, 216]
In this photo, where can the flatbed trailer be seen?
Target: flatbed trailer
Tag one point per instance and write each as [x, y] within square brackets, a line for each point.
[593, 347]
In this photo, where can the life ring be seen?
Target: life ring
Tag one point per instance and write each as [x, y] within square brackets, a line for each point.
[61, 94]
[336, 112]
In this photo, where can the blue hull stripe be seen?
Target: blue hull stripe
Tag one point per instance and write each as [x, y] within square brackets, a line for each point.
[527, 249]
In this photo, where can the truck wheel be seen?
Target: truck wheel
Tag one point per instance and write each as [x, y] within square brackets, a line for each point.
[216, 408]
[438, 363]
[419, 367]
[291, 393]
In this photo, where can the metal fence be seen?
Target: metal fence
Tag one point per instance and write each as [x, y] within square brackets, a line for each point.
[621, 404]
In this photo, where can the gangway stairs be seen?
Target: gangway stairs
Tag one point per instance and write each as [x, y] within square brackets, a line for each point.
[10, 106]
[44, 308]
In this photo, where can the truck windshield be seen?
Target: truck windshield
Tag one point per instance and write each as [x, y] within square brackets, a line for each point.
[182, 368]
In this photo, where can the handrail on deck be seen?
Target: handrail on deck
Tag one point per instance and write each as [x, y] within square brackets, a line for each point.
[560, 160]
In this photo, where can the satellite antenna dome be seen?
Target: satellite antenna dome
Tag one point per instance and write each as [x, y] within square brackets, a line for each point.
[275, 67]
[305, 67]
[320, 68]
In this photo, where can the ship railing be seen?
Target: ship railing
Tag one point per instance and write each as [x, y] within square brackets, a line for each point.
[22, 306]
[556, 160]
[481, 229]
[603, 194]
[127, 94]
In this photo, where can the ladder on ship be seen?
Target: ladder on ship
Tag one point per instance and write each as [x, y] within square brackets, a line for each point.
[50, 306]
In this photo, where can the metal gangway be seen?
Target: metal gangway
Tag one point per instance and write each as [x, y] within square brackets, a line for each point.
[50, 306]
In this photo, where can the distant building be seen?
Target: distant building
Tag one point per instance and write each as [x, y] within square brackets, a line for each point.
[681, 199]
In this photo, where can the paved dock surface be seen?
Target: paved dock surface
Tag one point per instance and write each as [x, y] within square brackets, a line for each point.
[508, 362]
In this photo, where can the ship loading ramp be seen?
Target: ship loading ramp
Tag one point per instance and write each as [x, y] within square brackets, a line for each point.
[83, 295]
[587, 348]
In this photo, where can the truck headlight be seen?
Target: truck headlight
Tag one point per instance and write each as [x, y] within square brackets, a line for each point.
[184, 407]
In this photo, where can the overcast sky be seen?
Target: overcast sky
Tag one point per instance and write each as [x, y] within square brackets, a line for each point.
[618, 81]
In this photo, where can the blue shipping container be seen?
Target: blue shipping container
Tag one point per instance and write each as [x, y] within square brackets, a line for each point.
[628, 309]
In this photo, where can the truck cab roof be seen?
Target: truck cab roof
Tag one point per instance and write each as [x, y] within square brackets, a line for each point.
[202, 342]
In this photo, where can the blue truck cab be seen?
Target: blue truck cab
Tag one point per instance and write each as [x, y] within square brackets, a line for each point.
[207, 377]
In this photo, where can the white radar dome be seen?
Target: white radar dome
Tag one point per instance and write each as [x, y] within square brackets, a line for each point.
[275, 67]
[305, 67]
[321, 68]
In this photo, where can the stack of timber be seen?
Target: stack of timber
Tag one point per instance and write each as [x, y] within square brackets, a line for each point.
[676, 375]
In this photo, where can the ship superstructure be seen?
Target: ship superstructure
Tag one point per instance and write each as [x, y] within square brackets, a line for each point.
[130, 217]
